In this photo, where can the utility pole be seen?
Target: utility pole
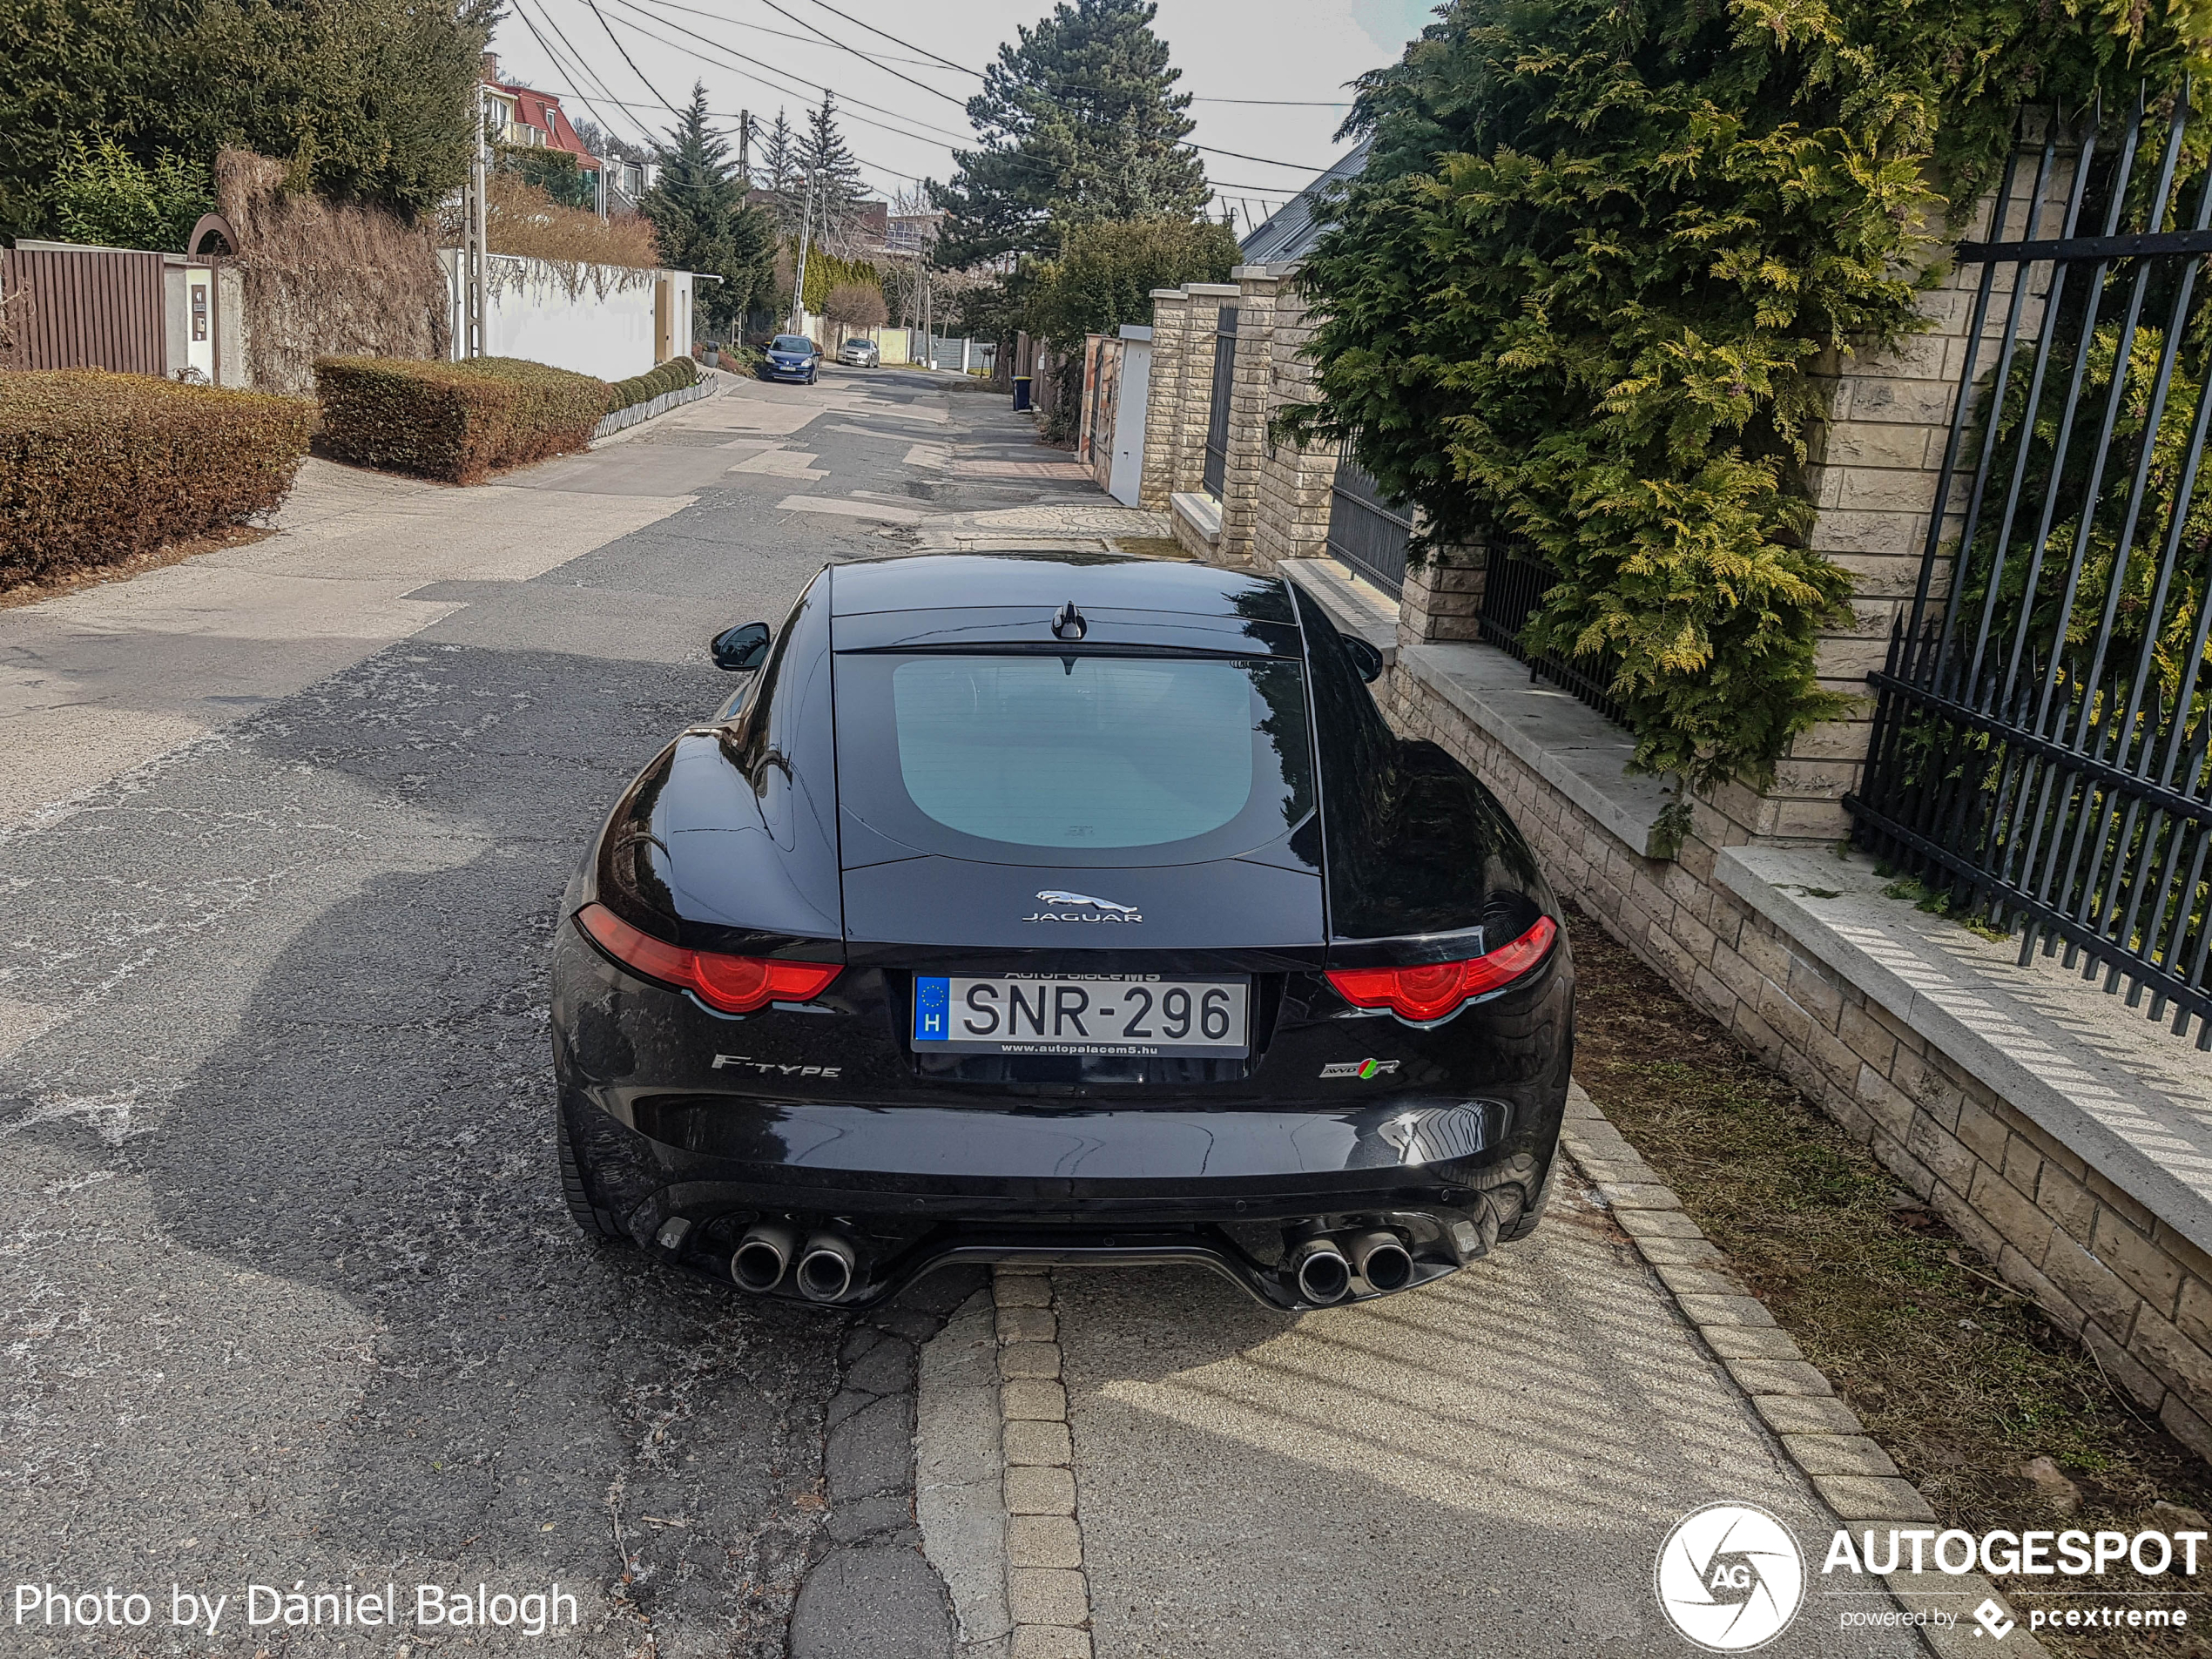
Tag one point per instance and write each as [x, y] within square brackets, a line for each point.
[798, 287]
[475, 253]
[745, 147]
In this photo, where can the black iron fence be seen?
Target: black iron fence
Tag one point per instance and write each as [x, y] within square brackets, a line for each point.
[1515, 582]
[2040, 743]
[1367, 531]
[1224, 390]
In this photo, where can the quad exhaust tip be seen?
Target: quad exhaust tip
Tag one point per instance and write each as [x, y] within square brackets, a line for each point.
[1383, 1260]
[825, 1270]
[761, 1256]
[1323, 1275]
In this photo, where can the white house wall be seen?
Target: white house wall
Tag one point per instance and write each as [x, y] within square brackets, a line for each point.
[604, 327]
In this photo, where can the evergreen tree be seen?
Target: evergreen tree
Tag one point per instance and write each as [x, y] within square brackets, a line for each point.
[779, 176]
[834, 174]
[700, 214]
[368, 100]
[1081, 122]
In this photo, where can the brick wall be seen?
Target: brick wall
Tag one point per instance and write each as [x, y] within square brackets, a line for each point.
[2094, 1259]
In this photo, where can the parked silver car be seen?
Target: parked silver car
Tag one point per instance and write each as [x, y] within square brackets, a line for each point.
[859, 353]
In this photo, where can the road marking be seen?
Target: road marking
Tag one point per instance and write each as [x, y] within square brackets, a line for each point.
[848, 509]
[781, 463]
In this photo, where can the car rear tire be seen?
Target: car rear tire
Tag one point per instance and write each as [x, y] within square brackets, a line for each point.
[595, 1222]
[1533, 1211]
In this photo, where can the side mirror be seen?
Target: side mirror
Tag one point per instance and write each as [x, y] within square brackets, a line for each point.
[743, 649]
[1365, 658]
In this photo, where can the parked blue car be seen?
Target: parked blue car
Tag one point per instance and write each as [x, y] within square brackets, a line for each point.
[791, 357]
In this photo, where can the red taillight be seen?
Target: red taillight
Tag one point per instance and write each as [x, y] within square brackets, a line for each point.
[1425, 994]
[734, 984]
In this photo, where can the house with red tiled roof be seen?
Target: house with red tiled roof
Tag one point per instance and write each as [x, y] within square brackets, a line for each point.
[525, 117]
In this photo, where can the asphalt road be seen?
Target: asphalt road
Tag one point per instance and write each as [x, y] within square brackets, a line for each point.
[288, 1297]
[287, 1290]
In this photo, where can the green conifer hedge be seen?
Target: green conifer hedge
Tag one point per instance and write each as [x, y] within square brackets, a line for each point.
[1579, 292]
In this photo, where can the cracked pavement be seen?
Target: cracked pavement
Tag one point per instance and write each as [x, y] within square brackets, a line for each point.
[287, 1292]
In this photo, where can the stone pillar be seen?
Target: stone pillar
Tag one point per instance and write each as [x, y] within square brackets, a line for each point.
[1163, 398]
[1876, 461]
[1443, 596]
[1292, 521]
[1251, 407]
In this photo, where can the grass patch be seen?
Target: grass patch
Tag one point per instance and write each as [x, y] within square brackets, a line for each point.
[1962, 1381]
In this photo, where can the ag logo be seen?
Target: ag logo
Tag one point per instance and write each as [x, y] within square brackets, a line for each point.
[1730, 1577]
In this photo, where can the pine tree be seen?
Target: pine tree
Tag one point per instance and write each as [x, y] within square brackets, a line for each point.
[1081, 123]
[834, 173]
[704, 224]
[779, 176]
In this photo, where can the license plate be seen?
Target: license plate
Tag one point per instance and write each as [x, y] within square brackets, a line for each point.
[1082, 1014]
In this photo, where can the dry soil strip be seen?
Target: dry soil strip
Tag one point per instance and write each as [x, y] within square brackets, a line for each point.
[1819, 1432]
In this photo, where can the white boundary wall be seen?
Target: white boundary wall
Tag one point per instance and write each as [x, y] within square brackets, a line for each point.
[616, 323]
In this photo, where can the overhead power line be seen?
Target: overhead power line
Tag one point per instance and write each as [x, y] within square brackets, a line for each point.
[632, 62]
[965, 70]
[577, 69]
[963, 139]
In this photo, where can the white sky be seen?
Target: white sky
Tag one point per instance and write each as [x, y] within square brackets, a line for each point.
[1296, 50]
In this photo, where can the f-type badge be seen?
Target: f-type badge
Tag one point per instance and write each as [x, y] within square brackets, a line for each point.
[1077, 904]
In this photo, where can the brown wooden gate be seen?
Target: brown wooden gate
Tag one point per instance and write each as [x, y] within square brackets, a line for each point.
[85, 309]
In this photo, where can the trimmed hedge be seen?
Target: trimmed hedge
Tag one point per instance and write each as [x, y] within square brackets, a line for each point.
[97, 468]
[454, 421]
[673, 375]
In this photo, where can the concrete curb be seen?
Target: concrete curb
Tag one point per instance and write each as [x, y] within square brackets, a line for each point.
[1048, 1595]
[1819, 1433]
[960, 1475]
[638, 414]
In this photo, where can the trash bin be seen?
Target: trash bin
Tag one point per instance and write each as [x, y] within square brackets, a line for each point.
[1021, 393]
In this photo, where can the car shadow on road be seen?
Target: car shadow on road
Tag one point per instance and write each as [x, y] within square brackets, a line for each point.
[370, 1344]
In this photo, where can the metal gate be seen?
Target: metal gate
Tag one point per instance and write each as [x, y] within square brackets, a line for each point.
[86, 308]
[1224, 390]
[2039, 743]
[1367, 531]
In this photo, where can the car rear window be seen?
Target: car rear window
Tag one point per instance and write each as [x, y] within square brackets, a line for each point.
[1074, 754]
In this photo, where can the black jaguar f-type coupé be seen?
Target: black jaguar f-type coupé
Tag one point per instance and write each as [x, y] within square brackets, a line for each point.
[1060, 908]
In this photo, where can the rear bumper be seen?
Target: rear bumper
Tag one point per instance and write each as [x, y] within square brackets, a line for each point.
[921, 1188]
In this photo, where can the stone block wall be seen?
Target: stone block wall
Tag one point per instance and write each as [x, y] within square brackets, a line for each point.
[1275, 497]
[1443, 596]
[1251, 407]
[1163, 398]
[1875, 464]
[2100, 1264]
[1292, 521]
